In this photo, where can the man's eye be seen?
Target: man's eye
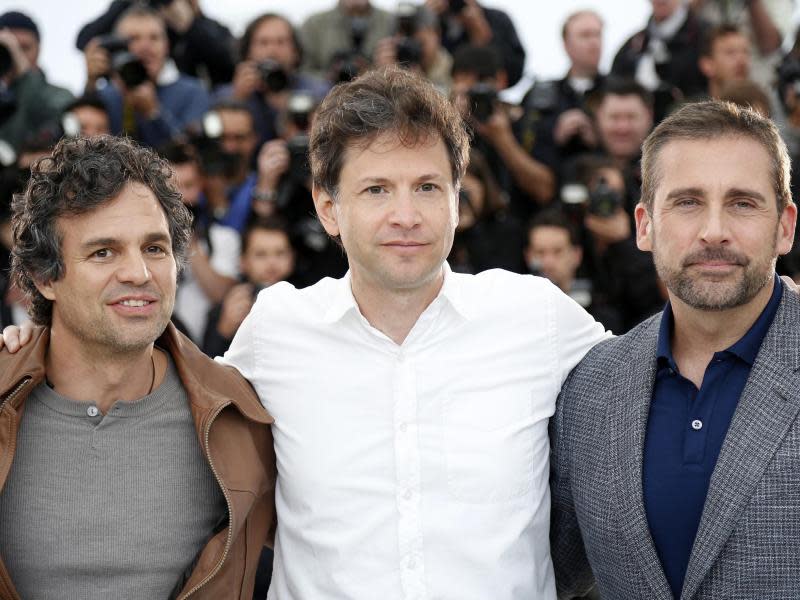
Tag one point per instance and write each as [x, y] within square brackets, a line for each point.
[375, 189]
[102, 253]
[155, 250]
[428, 187]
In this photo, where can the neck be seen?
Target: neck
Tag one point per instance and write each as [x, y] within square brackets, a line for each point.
[394, 312]
[698, 334]
[100, 377]
[714, 88]
[582, 72]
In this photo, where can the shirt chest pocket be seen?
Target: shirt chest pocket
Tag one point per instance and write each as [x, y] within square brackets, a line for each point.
[488, 442]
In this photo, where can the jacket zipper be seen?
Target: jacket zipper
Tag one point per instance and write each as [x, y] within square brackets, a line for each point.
[23, 382]
[227, 499]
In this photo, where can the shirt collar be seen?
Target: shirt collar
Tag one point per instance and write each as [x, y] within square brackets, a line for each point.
[168, 74]
[342, 300]
[746, 347]
[667, 29]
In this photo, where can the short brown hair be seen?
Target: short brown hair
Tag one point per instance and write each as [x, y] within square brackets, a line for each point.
[713, 120]
[381, 101]
[579, 13]
[717, 33]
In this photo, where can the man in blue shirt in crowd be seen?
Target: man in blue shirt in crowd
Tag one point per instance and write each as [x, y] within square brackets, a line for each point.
[157, 109]
[675, 469]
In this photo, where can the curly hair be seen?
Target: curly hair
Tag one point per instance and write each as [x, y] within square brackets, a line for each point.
[79, 176]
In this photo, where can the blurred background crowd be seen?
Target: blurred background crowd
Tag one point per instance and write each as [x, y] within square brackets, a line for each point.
[553, 176]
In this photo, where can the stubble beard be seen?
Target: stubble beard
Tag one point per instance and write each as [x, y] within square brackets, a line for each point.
[708, 294]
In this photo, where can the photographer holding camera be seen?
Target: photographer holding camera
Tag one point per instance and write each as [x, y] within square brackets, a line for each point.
[269, 72]
[556, 121]
[416, 44]
[212, 260]
[27, 100]
[200, 46]
[466, 22]
[146, 96]
[346, 34]
[267, 258]
[596, 202]
[283, 189]
[477, 76]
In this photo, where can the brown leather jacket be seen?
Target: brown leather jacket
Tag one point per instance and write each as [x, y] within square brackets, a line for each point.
[233, 430]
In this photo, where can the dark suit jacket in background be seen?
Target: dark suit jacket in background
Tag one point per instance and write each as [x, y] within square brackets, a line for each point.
[748, 541]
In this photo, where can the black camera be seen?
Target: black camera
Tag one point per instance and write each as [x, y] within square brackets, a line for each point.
[408, 50]
[604, 201]
[274, 76]
[482, 99]
[455, 7]
[125, 64]
[299, 109]
[789, 77]
[299, 168]
[213, 158]
[6, 62]
[345, 66]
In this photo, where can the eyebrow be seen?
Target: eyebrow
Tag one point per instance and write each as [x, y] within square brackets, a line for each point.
[384, 180]
[156, 236]
[731, 193]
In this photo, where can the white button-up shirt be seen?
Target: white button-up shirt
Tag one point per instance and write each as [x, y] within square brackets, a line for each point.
[416, 471]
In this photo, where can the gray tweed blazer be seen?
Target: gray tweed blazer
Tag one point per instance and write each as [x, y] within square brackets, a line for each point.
[748, 541]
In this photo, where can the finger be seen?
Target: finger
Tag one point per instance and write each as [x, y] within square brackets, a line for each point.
[25, 332]
[11, 338]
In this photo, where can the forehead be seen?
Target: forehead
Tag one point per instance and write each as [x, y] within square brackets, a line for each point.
[549, 235]
[235, 119]
[133, 213]
[715, 164]
[732, 38]
[141, 25]
[582, 23]
[267, 238]
[625, 103]
[390, 156]
[273, 27]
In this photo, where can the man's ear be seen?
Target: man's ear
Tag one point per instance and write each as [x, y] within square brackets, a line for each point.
[706, 66]
[325, 206]
[45, 289]
[644, 228]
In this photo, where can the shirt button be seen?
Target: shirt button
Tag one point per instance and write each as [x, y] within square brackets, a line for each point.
[697, 424]
[407, 494]
[411, 564]
[92, 411]
[403, 427]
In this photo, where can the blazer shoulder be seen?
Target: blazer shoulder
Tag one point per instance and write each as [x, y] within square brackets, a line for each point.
[623, 349]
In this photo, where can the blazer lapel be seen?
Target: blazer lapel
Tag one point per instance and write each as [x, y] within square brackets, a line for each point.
[768, 406]
[627, 423]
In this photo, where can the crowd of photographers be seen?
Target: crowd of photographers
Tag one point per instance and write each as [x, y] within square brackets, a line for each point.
[551, 184]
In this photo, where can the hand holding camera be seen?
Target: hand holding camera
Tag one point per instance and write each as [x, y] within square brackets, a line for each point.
[574, 123]
[246, 80]
[12, 57]
[235, 307]
[273, 162]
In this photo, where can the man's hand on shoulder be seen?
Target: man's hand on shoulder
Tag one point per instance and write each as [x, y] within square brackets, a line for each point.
[15, 337]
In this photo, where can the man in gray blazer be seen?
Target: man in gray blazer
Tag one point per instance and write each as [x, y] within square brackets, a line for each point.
[676, 448]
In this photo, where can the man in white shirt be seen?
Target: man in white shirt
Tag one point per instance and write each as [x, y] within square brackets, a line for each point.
[411, 403]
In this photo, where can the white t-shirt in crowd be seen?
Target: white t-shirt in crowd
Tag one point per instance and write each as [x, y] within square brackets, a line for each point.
[191, 303]
[420, 470]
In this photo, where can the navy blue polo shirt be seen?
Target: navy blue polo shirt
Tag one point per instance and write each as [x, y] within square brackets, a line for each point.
[685, 431]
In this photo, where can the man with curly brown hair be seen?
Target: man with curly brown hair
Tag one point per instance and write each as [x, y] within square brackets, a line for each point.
[128, 459]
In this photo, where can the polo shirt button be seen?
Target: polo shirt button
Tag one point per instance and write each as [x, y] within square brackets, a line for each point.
[697, 424]
[92, 411]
